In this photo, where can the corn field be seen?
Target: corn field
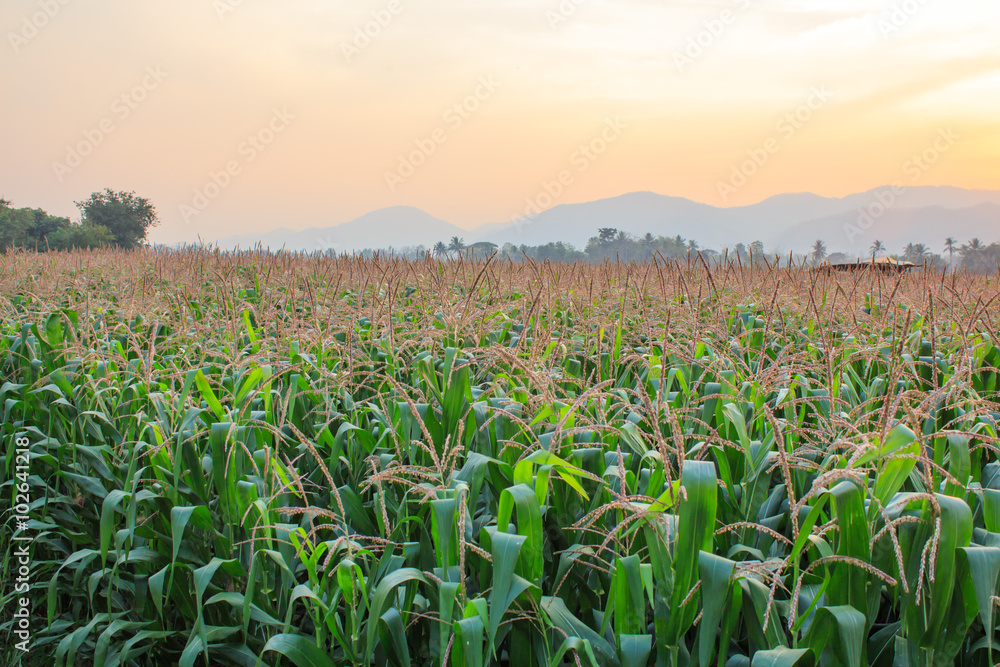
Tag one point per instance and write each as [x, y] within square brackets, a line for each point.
[255, 459]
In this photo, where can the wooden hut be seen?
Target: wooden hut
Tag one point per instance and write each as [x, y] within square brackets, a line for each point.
[887, 264]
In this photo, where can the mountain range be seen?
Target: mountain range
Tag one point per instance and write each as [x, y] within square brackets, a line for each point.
[787, 222]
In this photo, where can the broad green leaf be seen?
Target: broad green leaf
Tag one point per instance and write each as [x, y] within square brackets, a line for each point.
[783, 657]
[300, 649]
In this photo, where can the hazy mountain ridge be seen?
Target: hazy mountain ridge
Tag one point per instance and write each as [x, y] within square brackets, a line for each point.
[929, 225]
[396, 227]
[785, 222]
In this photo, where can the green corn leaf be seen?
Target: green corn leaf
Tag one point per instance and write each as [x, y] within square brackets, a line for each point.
[111, 502]
[783, 657]
[895, 471]
[561, 617]
[635, 649]
[582, 649]
[715, 574]
[393, 636]
[849, 583]
[982, 567]
[506, 585]
[380, 601]
[529, 524]
[469, 639]
[209, 396]
[179, 519]
[301, 650]
[840, 629]
[695, 527]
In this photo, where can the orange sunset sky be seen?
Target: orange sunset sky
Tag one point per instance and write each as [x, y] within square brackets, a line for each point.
[238, 116]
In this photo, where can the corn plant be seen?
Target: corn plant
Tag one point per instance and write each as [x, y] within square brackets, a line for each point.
[256, 459]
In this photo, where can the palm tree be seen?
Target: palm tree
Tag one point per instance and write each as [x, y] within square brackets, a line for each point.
[648, 240]
[972, 253]
[677, 245]
[457, 245]
[440, 249]
[818, 252]
[949, 246]
[916, 253]
[877, 248]
[607, 234]
[692, 245]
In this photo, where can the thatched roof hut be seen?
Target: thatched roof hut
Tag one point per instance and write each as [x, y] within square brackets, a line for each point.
[887, 264]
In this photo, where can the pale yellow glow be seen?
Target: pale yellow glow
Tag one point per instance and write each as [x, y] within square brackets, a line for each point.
[895, 79]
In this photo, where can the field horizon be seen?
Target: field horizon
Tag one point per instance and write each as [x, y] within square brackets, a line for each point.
[896, 214]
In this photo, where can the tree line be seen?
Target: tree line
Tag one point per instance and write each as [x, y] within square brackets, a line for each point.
[614, 244]
[108, 219]
[609, 243]
[975, 255]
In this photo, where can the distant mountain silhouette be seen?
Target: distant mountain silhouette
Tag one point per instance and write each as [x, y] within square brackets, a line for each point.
[786, 222]
[897, 227]
[395, 227]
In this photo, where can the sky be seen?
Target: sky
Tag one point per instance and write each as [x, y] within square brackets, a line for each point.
[241, 116]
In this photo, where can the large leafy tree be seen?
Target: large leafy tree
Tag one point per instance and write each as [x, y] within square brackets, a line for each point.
[26, 228]
[44, 226]
[127, 216]
[15, 228]
[74, 237]
[34, 229]
[607, 234]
